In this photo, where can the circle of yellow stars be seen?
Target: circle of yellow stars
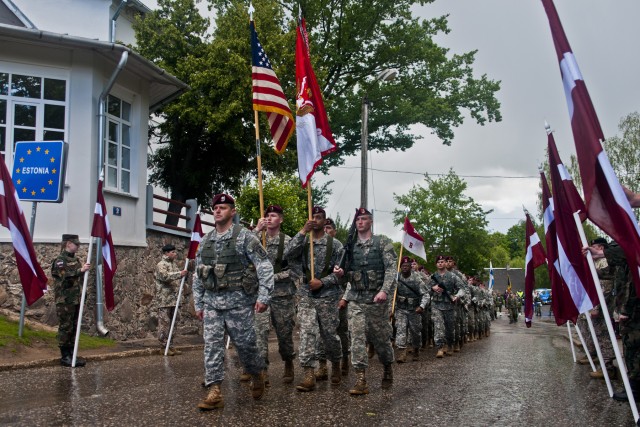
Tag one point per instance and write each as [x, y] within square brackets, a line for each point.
[53, 171]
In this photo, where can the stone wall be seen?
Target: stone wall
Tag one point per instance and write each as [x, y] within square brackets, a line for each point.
[134, 289]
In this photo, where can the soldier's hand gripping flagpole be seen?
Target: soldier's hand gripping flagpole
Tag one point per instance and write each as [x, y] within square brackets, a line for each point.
[82, 298]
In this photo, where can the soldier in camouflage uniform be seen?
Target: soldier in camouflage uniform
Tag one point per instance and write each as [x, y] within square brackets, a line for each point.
[626, 303]
[446, 291]
[512, 307]
[371, 276]
[66, 271]
[411, 300]
[343, 327]
[319, 296]
[474, 294]
[167, 277]
[226, 293]
[460, 308]
[282, 309]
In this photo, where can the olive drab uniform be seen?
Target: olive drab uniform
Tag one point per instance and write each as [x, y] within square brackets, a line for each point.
[232, 272]
[282, 308]
[412, 293]
[67, 288]
[442, 307]
[372, 270]
[317, 311]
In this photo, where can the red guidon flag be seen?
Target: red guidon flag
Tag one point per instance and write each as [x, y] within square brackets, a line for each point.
[196, 238]
[534, 257]
[268, 95]
[32, 277]
[607, 205]
[315, 139]
[412, 241]
[102, 230]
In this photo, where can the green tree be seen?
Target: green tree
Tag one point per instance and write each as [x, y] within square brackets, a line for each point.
[450, 222]
[207, 137]
[623, 152]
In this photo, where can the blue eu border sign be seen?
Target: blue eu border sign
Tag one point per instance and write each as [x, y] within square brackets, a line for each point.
[38, 170]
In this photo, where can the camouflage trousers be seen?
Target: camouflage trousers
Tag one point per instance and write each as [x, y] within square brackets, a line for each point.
[602, 333]
[443, 326]
[513, 316]
[282, 314]
[165, 316]
[630, 331]
[262, 325]
[239, 324]
[369, 323]
[318, 318]
[68, 322]
[427, 326]
[408, 322]
[343, 334]
[473, 327]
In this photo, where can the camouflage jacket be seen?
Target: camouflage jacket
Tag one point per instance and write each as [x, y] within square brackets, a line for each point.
[626, 301]
[451, 283]
[167, 277]
[389, 260]
[66, 273]
[296, 253]
[412, 292]
[284, 280]
[250, 251]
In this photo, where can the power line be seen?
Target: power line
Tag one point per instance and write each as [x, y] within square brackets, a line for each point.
[440, 174]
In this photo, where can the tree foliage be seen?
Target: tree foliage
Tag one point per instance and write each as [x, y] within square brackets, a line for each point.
[206, 137]
[450, 222]
[623, 152]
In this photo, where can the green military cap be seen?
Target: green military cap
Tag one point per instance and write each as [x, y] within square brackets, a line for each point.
[73, 238]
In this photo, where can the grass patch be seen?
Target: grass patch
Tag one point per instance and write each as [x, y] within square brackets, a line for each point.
[9, 337]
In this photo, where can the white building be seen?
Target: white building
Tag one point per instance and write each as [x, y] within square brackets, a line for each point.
[56, 61]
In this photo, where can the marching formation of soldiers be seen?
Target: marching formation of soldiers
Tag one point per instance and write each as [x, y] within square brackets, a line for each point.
[343, 297]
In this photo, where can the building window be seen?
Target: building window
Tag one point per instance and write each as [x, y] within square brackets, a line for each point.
[118, 145]
[32, 108]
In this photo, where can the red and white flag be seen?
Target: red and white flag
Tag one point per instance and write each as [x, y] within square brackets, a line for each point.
[268, 95]
[102, 230]
[572, 264]
[534, 257]
[561, 302]
[196, 238]
[607, 205]
[315, 139]
[412, 241]
[32, 277]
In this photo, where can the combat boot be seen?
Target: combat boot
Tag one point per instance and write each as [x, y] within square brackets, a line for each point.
[448, 351]
[257, 385]
[175, 351]
[583, 360]
[287, 377]
[387, 377]
[416, 354]
[213, 400]
[360, 387]
[440, 353]
[265, 377]
[309, 381]
[345, 366]
[371, 350]
[336, 375]
[402, 356]
[245, 377]
[323, 373]
[65, 360]
[621, 396]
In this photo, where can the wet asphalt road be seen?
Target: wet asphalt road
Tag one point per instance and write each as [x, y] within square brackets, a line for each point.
[517, 376]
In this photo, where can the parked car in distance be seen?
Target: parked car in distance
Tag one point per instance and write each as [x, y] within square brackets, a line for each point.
[545, 295]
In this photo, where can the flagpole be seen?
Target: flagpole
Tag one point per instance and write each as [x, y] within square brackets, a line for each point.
[309, 208]
[573, 350]
[82, 298]
[596, 343]
[175, 311]
[605, 312]
[23, 306]
[259, 160]
[584, 346]
[395, 292]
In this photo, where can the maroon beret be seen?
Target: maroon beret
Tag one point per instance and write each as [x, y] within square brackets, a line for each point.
[441, 258]
[222, 198]
[317, 210]
[362, 211]
[274, 208]
[406, 259]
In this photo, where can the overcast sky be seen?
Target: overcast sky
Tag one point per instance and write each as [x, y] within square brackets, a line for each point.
[514, 46]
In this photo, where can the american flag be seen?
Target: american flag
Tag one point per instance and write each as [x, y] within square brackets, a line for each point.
[268, 95]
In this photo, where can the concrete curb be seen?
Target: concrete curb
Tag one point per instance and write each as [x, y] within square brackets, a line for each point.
[96, 357]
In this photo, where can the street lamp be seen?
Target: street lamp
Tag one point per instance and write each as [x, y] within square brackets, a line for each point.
[384, 76]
